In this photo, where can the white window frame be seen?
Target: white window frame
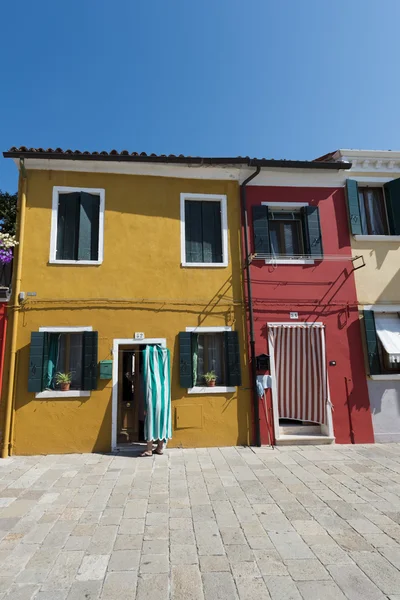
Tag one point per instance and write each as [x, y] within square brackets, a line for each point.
[204, 389]
[224, 228]
[69, 393]
[384, 308]
[54, 218]
[289, 261]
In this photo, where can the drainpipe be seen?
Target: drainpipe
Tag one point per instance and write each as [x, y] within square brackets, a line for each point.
[250, 309]
[8, 434]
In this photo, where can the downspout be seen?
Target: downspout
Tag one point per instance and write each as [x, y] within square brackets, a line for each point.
[256, 405]
[8, 434]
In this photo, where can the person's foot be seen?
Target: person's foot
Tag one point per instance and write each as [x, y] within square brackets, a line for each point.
[147, 453]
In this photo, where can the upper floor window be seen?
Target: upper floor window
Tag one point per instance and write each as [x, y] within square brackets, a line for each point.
[204, 235]
[77, 225]
[382, 333]
[374, 210]
[287, 232]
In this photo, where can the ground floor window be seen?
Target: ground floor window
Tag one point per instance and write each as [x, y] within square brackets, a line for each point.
[63, 354]
[208, 357]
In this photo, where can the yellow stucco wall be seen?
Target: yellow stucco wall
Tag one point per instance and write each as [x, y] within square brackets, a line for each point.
[140, 286]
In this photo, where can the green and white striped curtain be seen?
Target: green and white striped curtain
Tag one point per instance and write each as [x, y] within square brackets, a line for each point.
[157, 384]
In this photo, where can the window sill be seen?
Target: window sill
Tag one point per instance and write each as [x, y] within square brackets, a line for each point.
[377, 238]
[67, 394]
[75, 262]
[386, 377]
[294, 261]
[207, 265]
[204, 389]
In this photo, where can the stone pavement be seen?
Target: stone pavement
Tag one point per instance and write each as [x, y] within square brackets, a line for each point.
[209, 524]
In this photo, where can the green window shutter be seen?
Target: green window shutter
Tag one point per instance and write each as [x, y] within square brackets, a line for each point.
[392, 195]
[261, 229]
[36, 357]
[67, 226]
[185, 359]
[193, 231]
[353, 206]
[232, 350]
[90, 344]
[372, 343]
[88, 246]
[313, 231]
[212, 235]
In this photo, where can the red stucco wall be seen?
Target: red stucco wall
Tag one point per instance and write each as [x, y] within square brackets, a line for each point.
[323, 292]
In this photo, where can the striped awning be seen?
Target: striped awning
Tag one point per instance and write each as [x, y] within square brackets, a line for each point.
[300, 369]
[388, 330]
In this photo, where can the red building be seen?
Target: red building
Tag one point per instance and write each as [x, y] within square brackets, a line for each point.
[305, 312]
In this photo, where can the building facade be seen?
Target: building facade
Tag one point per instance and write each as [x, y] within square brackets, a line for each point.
[305, 309]
[118, 252]
[373, 192]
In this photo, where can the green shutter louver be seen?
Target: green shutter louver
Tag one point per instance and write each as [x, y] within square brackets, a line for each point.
[185, 359]
[67, 226]
[233, 371]
[212, 238]
[35, 375]
[372, 342]
[353, 206]
[392, 195]
[90, 345]
[313, 231]
[88, 246]
[261, 230]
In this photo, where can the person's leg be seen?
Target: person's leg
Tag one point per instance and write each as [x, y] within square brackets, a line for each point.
[160, 447]
[149, 449]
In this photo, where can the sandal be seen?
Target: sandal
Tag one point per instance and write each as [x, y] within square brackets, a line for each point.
[147, 453]
[159, 452]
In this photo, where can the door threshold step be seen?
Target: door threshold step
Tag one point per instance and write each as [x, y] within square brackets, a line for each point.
[299, 429]
[306, 440]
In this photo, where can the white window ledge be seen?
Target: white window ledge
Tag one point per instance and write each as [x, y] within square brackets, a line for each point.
[205, 389]
[377, 238]
[386, 377]
[294, 261]
[66, 394]
[208, 265]
[75, 262]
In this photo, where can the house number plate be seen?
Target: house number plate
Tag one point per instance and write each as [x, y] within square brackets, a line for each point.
[139, 335]
[294, 315]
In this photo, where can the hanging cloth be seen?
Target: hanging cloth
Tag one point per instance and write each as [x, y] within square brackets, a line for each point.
[301, 373]
[51, 362]
[157, 389]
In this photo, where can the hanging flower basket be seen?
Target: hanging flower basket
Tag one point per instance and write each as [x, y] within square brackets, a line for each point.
[7, 243]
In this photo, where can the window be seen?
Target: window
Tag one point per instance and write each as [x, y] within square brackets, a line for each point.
[204, 230]
[372, 211]
[77, 226]
[382, 332]
[287, 233]
[66, 350]
[209, 349]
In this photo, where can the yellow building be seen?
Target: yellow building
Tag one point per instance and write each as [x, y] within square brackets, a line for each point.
[120, 251]
[373, 191]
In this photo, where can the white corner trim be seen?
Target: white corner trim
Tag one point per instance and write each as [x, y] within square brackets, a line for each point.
[381, 308]
[217, 389]
[377, 238]
[224, 227]
[386, 377]
[66, 394]
[207, 329]
[53, 235]
[284, 205]
[65, 329]
[295, 261]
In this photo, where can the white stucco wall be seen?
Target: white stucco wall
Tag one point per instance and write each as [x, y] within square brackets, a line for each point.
[384, 397]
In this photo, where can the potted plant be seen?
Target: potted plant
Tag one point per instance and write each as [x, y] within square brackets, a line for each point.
[210, 378]
[63, 380]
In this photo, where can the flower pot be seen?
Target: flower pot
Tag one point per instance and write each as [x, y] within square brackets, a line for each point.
[211, 383]
[64, 387]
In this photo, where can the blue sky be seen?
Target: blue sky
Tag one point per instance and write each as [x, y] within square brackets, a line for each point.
[283, 79]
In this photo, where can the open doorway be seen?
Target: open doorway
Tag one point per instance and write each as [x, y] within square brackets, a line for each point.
[128, 396]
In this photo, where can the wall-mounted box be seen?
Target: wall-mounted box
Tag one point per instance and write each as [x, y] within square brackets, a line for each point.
[106, 369]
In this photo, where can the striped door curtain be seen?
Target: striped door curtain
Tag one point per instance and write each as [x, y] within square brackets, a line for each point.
[300, 370]
[157, 384]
